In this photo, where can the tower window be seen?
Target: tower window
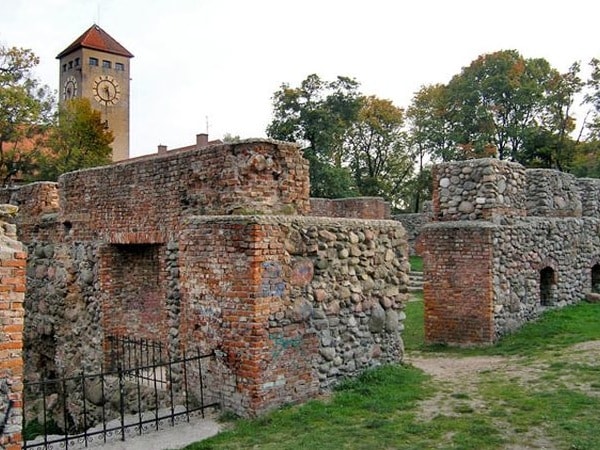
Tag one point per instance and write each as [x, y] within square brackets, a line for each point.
[119, 66]
[106, 64]
[76, 62]
[70, 64]
[64, 67]
[93, 61]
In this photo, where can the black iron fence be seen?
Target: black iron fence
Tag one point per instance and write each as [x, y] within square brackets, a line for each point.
[142, 388]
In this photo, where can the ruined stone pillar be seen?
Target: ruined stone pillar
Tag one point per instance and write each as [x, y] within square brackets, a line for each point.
[12, 294]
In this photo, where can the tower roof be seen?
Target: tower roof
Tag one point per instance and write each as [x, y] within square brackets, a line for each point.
[98, 39]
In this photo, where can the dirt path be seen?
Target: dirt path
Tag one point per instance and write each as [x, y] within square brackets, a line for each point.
[458, 379]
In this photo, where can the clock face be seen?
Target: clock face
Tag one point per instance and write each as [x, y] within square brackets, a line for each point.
[70, 88]
[106, 90]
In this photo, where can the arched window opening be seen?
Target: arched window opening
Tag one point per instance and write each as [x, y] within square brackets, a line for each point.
[547, 286]
[596, 279]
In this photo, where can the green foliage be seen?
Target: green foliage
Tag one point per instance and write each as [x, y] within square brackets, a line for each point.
[328, 180]
[375, 150]
[506, 106]
[495, 102]
[318, 115]
[79, 140]
[586, 160]
[355, 144]
[34, 429]
[229, 138]
[25, 113]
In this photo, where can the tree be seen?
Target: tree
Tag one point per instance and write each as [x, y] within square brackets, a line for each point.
[496, 101]
[375, 150]
[79, 140]
[430, 127]
[592, 98]
[25, 112]
[318, 115]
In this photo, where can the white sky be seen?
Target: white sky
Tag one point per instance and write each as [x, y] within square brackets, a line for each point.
[224, 59]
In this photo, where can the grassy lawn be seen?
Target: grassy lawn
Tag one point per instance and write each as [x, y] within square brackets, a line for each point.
[548, 396]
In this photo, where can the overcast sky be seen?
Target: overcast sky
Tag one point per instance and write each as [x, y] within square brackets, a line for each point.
[224, 59]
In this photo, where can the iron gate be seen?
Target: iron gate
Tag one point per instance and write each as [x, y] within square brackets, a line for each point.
[142, 388]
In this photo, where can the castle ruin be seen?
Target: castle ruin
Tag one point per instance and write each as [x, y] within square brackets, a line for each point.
[215, 249]
[504, 245]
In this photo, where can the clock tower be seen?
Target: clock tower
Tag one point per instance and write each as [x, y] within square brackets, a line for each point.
[96, 67]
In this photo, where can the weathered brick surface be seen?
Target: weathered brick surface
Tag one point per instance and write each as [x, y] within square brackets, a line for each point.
[143, 201]
[12, 292]
[357, 207]
[458, 288]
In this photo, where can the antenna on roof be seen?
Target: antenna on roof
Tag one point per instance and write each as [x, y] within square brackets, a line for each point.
[206, 117]
[98, 13]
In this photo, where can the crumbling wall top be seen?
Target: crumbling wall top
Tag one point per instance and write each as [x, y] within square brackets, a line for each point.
[478, 189]
[143, 200]
[551, 193]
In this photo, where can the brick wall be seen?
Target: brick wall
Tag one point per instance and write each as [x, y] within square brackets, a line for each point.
[12, 292]
[374, 208]
[208, 249]
[133, 282]
[142, 201]
[458, 288]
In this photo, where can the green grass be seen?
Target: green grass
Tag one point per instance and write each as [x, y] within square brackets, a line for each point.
[416, 263]
[413, 334]
[376, 410]
[379, 409]
[555, 330]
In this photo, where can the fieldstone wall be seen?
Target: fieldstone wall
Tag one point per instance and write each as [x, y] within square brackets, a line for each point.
[552, 194]
[12, 292]
[508, 244]
[589, 190]
[478, 189]
[292, 305]
[570, 247]
[63, 328]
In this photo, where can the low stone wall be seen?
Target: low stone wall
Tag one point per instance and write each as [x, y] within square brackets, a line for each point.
[63, 329]
[12, 292]
[589, 189]
[374, 208]
[291, 305]
[569, 247]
